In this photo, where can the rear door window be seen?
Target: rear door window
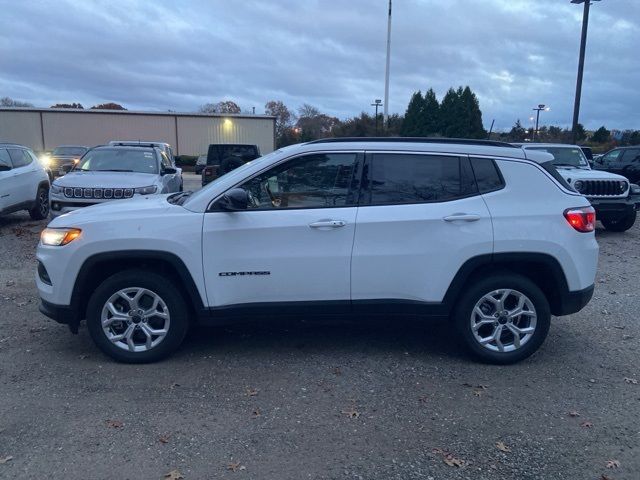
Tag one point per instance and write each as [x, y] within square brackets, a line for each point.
[631, 155]
[398, 178]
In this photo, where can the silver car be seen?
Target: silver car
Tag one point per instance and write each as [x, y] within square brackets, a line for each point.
[109, 173]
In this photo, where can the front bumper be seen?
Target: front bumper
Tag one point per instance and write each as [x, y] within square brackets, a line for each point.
[615, 208]
[61, 313]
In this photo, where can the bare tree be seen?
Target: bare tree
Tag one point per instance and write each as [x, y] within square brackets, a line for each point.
[283, 117]
[68, 105]
[10, 102]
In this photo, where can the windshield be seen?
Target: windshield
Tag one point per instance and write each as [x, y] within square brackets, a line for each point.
[119, 160]
[70, 151]
[236, 172]
[565, 156]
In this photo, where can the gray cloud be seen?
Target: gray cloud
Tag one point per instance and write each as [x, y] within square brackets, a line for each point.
[178, 55]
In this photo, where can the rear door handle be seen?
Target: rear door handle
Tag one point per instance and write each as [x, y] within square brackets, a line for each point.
[464, 217]
[328, 224]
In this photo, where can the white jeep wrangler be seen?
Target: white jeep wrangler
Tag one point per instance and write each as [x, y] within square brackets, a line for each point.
[615, 199]
[481, 232]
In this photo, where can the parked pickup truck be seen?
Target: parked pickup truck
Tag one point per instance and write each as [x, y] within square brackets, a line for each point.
[614, 197]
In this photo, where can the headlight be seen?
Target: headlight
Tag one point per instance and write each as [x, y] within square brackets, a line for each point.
[578, 184]
[59, 236]
[55, 188]
[146, 190]
[45, 160]
[635, 189]
[623, 186]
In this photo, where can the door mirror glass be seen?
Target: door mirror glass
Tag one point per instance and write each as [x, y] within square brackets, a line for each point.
[234, 200]
[66, 168]
[169, 171]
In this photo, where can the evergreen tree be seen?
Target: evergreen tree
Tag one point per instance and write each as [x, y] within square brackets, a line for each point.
[601, 135]
[430, 118]
[517, 133]
[451, 114]
[472, 115]
[412, 124]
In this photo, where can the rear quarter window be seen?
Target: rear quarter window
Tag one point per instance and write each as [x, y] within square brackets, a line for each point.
[488, 176]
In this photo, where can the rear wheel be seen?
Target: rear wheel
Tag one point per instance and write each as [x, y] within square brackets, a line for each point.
[621, 224]
[40, 209]
[137, 316]
[503, 318]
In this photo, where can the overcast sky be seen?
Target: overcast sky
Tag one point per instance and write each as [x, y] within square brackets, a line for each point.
[177, 55]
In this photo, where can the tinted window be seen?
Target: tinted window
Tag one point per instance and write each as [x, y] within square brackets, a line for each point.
[631, 155]
[565, 155]
[405, 178]
[487, 175]
[19, 157]
[612, 156]
[4, 158]
[119, 160]
[311, 181]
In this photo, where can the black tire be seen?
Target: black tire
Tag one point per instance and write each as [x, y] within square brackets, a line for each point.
[158, 284]
[621, 224]
[476, 290]
[40, 209]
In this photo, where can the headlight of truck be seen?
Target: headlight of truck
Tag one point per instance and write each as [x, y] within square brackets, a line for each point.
[578, 185]
[58, 237]
[146, 190]
[55, 188]
[623, 186]
[635, 189]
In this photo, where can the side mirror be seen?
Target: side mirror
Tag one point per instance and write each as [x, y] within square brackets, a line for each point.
[4, 167]
[234, 200]
[168, 171]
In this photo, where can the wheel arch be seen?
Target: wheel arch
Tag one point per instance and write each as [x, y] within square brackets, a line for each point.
[543, 269]
[99, 267]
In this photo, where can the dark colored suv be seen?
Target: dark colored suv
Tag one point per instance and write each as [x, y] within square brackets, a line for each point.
[222, 158]
[624, 161]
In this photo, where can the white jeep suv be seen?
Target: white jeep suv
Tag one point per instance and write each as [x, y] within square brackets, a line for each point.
[481, 232]
[24, 183]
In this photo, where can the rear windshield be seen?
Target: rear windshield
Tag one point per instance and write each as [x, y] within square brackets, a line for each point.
[71, 151]
[119, 160]
[573, 157]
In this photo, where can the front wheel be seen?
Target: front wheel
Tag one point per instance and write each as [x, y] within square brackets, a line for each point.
[621, 224]
[503, 318]
[40, 209]
[137, 316]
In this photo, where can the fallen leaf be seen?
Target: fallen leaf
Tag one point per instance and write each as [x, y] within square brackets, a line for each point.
[351, 413]
[256, 413]
[612, 464]
[252, 392]
[477, 393]
[573, 413]
[114, 424]
[4, 460]
[423, 398]
[631, 381]
[234, 467]
[453, 461]
[164, 438]
[173, 385]
[502, 447]
[173, 475]
[10, 283]
[586, 424]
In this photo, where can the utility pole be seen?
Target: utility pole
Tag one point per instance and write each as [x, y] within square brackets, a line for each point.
[583, 45]
[538, 109]
[377, 103]
[386, 76]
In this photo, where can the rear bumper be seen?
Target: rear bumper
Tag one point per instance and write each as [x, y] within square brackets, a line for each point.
[60, 313]
[572, 302]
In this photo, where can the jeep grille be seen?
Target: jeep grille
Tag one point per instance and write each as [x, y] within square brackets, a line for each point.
[603, 188]
[98, 193]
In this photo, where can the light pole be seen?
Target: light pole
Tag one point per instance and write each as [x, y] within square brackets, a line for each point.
[377, 103]
[583, 45]
[386, 74]
[538, 109]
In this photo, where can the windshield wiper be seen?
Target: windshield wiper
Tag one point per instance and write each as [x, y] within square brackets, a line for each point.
[178, 198]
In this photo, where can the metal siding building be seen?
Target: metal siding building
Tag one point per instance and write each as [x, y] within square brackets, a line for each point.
[188, 133]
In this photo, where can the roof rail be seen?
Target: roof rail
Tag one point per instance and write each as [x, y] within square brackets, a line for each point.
[452, 141]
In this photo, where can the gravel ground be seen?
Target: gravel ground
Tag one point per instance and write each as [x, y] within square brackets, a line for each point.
[394, 400]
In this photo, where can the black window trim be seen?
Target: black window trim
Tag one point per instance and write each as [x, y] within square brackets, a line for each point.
[368, 157]
[356, 178]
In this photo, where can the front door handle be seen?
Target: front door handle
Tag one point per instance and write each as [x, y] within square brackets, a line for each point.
[328, 224]
[464, 217]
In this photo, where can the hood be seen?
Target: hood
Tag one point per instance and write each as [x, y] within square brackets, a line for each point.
[106, 179]
[584, 174]
[142, 207]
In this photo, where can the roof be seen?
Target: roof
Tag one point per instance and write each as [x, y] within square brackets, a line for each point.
[135, 112]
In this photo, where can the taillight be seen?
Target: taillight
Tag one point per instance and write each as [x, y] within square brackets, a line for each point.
[583, 219]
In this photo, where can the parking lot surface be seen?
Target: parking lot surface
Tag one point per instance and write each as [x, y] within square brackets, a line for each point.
[391, 399]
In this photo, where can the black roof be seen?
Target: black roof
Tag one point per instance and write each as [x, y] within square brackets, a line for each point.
[449, 141]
